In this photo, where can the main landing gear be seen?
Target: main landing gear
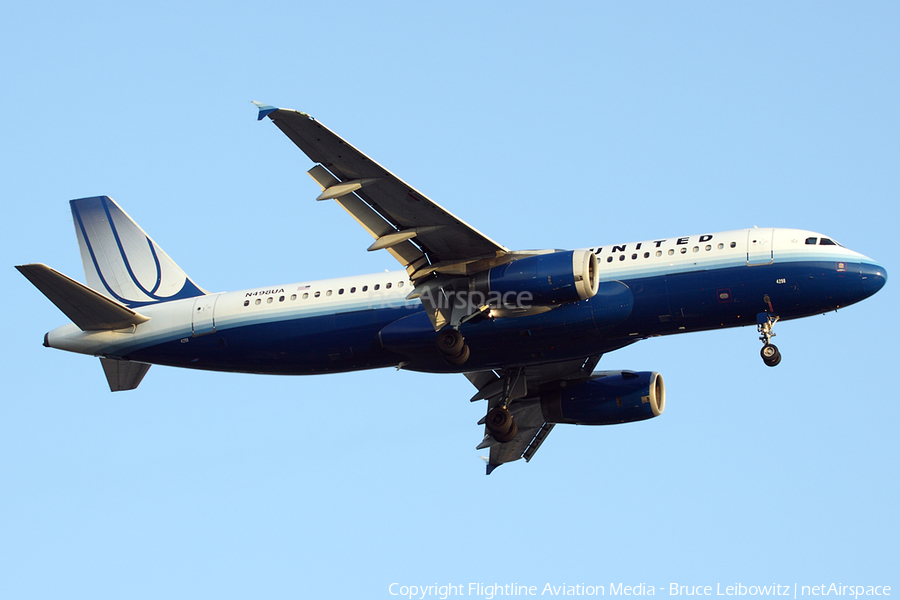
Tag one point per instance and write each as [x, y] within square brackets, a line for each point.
[499, 421]
[452, 346]
[769, 353]
[501, 424]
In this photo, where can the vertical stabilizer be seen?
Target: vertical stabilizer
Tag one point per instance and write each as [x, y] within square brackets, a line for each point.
[121, 261]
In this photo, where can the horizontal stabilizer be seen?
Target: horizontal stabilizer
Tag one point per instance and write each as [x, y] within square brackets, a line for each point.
[123, 374]
[88, 309]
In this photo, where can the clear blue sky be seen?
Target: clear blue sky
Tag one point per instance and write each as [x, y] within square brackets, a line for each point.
[543, 126]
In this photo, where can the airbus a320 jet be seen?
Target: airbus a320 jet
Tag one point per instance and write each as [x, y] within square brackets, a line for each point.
[526, 327]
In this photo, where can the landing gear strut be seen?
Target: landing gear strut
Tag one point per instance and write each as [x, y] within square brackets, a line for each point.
[452, 346]
[765, 323]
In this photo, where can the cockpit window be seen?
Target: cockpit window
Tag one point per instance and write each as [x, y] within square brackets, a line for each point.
[826, 242]
[811, 241]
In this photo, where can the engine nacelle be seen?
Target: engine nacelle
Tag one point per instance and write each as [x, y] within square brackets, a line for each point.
[548, 279]
[613, 397]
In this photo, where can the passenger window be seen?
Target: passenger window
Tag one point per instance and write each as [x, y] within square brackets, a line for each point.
[696, 249]
[246, 303]
[293, 297]
[734, 244]
[708, 247]
[621, 257]
[720, 246]
[646, 255]
[340, 291]
[377, 285]
[811, 241]
[269, 300]
[353, 290]
[281, 298]
[328, 293]
[317, 294]
[399, 284]
[365, 288]
[684, 250]
[671, 251]
[659, 253]
[257, 301]
[305, 295]
[387, 285]
[634, 256]
[609, 259]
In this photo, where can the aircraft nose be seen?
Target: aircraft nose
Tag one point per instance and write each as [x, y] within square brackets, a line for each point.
[873, 278]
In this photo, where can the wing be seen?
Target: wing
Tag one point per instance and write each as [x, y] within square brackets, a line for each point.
[523, 386]
[424, 237]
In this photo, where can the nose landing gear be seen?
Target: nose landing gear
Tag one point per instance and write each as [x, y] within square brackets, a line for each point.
[769, 353]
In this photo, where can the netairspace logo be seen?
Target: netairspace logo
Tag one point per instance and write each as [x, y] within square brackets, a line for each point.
[491, 591]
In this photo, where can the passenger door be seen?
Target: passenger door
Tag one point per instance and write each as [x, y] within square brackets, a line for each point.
[760, 247]
[203, 319]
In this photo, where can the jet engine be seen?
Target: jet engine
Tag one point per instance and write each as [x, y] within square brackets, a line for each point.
[541, 280]
[612, 397]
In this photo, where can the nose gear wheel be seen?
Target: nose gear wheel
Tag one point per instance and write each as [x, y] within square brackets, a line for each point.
[770, 355]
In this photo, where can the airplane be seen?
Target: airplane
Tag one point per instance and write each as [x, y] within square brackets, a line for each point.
[526, 327]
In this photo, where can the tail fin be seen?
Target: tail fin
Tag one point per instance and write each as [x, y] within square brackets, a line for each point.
[121, 261]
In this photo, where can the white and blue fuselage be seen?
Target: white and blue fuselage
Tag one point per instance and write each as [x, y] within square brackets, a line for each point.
[649, 288]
